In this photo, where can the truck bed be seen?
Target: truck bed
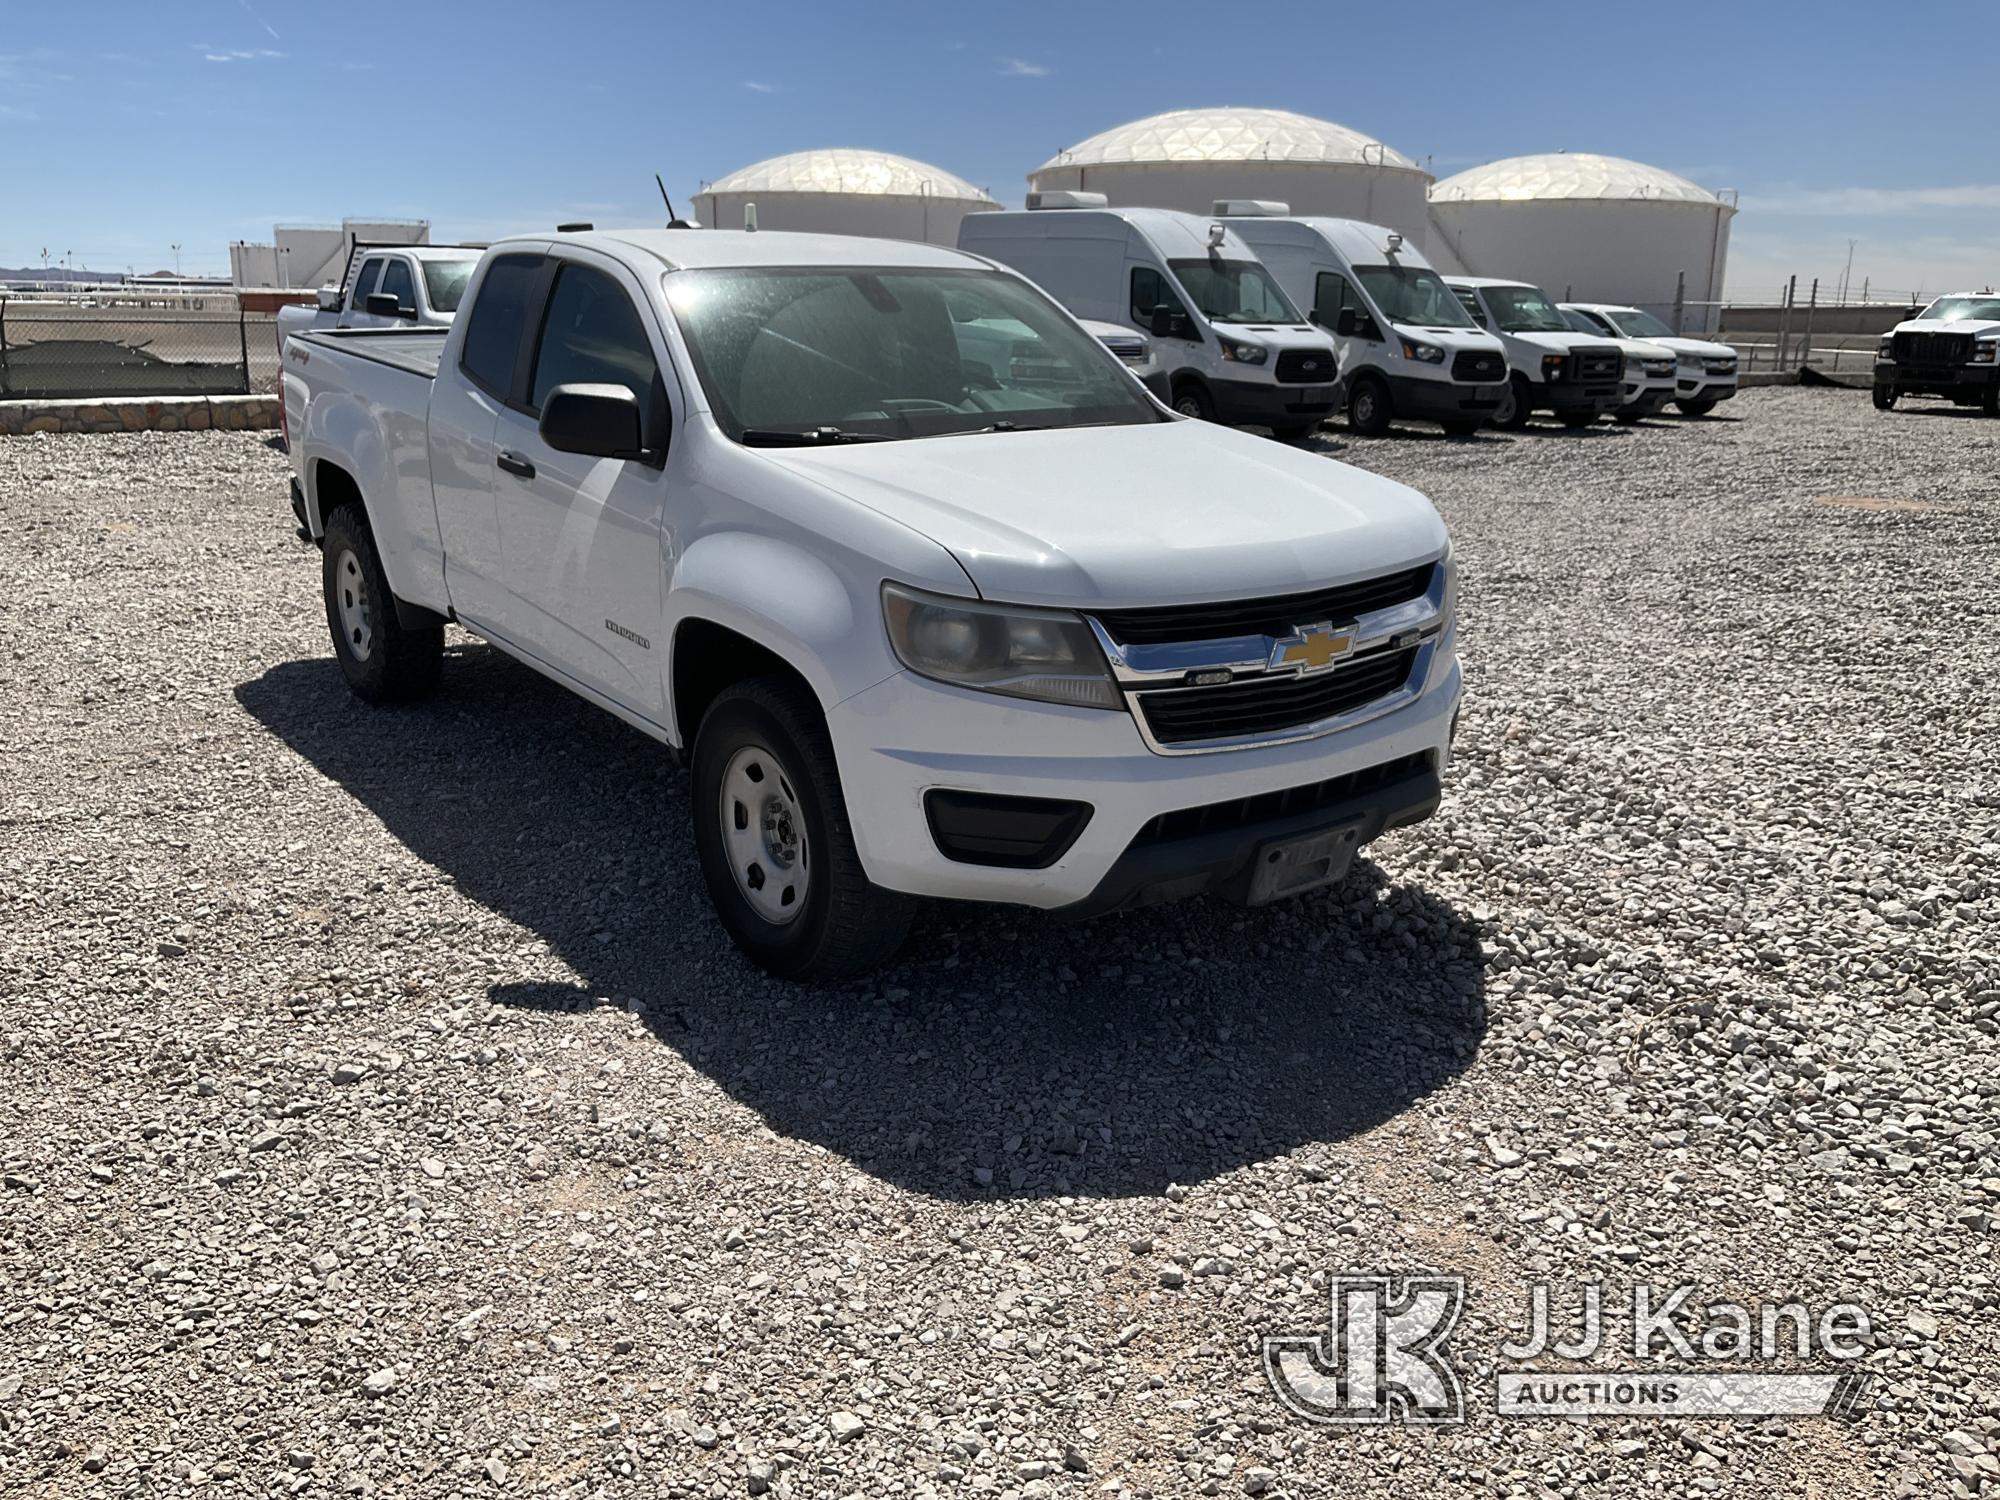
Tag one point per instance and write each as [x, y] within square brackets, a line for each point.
[416, 350]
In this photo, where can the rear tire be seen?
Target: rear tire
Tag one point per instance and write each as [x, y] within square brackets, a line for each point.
[1369, 409]
[1885, 397]
[769, 819]
[383, 660]
[1700, 406]
[1516, 405]
[1190, 400]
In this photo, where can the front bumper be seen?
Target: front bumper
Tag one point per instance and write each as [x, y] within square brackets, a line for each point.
[1442, 400]
[908, 735]
[1256, 403]
[1936, 380]
[1702, 386]
[1562, 396]
[1645, 400]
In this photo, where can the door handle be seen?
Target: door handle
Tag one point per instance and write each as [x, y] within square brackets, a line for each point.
[515, 463]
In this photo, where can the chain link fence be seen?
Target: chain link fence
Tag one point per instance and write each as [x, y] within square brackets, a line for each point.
[52, 350]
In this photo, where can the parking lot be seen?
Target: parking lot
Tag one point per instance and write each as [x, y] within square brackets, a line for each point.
[386, 1111]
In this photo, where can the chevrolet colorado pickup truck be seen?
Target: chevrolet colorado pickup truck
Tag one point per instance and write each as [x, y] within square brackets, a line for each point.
[922, 622]
[1950, 349]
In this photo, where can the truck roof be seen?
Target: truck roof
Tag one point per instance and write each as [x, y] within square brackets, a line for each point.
[700, 249]
[1608, 307]
[1176, 235]
[1359, 242]
[1486, 281]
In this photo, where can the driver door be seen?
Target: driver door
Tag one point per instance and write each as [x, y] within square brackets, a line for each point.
[581, 538]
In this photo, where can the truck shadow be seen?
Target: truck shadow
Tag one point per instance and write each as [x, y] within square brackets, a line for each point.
[1004, 1055]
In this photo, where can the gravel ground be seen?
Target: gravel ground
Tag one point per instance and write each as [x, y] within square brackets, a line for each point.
[383, 1110]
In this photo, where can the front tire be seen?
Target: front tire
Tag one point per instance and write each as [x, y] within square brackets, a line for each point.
[1462, 426]
[383, 660]
[776, 847]
[1701, 406]
[1368, 408]
[1294, 432]
[1989, 401]
[1515, 405]
[1190, 400]
[1578, 419]
[1885, 397]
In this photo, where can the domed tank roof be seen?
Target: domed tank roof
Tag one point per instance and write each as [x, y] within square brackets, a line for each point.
[1570, 174]
[862, 173]
[1229, 135]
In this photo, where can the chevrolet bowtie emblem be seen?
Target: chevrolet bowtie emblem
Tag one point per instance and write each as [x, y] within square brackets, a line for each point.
[1311, 648]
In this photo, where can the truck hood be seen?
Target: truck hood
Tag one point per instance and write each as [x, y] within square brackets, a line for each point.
[1985, 326]
[1451, 338]
[1638, 348]
[1562, 343]
[1701, 348]
[1160, 513]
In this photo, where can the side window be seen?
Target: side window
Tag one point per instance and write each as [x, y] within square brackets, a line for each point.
[1470, 299]
[1149, 290]
[498, 319]
[364, 282]
[1601, 323]
[592, 336]
[1330, 295]
[396, 278]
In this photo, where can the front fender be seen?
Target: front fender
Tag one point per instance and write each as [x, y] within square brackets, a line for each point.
[788, 601]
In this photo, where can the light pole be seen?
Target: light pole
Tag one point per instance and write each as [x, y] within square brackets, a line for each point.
[177, 261]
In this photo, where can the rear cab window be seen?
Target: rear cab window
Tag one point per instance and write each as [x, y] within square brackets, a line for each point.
[497, 322]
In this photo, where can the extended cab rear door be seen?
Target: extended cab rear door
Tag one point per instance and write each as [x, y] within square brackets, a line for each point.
[582, 537]
[486, 364]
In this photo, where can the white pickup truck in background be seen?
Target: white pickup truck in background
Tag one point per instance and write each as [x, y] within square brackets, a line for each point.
[391, 286]
[923, 622]
[1950, 349]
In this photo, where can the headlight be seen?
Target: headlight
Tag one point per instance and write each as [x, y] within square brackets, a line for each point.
[1886, 346]
[1244, 354]
[1552, 366]
[1985, 351]
[1428, 354]
[1658, 367]
[1722, 366]
[1025, 653]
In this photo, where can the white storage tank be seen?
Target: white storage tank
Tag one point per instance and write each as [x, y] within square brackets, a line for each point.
[845, 192]
[1190, 158]
[1587, 228]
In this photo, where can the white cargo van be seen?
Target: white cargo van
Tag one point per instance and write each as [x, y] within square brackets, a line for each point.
[1232, 346]
[1407, 348]
[1551, 367]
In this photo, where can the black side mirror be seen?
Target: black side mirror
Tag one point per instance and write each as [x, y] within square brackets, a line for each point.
[1344, 323]
[385, 305]
[1161, 323]
[600, 421]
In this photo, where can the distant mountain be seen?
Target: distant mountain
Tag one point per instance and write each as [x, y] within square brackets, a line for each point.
[57, 273]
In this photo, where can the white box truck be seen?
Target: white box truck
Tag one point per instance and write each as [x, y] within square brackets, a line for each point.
[1551, 367]
[1231, 344]
[1407, 348]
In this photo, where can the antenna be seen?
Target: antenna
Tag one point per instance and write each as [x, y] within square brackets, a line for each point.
[674, 220]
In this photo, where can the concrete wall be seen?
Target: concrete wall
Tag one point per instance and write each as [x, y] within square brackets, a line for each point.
[1873, 319]
[1595, 250]
[140, 414]
[1394, 196]
[926, 220]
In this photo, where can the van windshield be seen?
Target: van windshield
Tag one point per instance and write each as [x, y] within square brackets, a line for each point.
[852, 353]
[1234, 291]
[445, 282]
[1962, 310]
[1412, 294]
[1523, 309]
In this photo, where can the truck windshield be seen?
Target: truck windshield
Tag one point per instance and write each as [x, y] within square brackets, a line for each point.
[1637, 325]
[445, 281]
[857, 353]
[1523, 309]
[1234, 291]
[1411, 294]
[1962, 310]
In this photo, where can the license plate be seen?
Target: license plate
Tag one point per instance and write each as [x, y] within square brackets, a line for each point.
[1285, 867]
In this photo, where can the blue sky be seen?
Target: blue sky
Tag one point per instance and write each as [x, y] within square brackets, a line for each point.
[139, 125]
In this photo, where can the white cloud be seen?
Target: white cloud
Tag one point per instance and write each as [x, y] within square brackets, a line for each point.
[760, 88]
[251, 54]
[1015, 67]
[1866, 200]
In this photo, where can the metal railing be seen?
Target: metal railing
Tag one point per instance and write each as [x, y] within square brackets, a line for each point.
[66, 350]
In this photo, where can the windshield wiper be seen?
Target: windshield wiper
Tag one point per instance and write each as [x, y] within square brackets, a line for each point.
[807, 437]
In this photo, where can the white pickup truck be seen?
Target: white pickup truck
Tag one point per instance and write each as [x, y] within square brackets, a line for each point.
[393, 286]
[1950, 349]
[921, 622]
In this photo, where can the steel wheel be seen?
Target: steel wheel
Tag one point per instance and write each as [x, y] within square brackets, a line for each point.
[352, 601]
[764, 832]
